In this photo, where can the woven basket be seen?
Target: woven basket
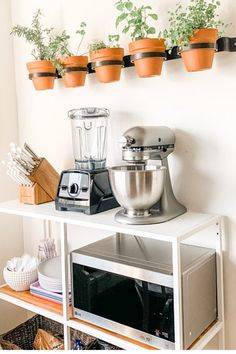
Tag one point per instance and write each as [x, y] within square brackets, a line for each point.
[24, 334]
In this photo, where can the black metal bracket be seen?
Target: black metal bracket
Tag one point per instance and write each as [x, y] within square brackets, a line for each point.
[224, 44]
[75, 68]
[99, 63]
[197, 46]
[34, 75]
[145, 55]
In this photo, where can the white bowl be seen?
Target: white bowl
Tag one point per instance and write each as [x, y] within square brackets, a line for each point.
[49, 274]
[51, 269]
[19, 281]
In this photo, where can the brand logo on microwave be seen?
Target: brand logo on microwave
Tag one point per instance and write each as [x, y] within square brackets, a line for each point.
[78, 313]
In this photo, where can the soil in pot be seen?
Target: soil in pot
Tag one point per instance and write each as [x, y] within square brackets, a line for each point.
[43, 74]
[107, 64]
[201, 58]
[150, 65]
[75, 70]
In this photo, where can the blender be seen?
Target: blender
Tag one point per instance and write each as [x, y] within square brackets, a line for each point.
[87, 188]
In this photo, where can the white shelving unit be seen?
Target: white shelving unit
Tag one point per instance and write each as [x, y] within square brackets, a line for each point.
[194, 228]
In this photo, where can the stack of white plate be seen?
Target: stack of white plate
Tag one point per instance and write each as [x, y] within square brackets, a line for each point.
[49, 275]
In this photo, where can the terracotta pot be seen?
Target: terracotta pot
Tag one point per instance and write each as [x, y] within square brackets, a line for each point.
[107, 73]
[202, 58]
[74, 78]
[146, 67]
[42, 66]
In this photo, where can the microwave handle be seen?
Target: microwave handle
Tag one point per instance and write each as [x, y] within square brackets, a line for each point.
[144, 299]
[167, 322]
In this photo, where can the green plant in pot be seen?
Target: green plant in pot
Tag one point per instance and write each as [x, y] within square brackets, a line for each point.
[195, 29]
[71, 66]
[45, 48]
[146, 53]
[107, 59]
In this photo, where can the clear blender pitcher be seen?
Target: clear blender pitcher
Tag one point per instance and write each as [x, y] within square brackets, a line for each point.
[89, 135]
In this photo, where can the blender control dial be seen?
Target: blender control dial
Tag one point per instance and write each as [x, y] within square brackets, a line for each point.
[74, 189]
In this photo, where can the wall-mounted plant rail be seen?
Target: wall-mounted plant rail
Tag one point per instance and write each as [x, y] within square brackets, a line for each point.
[224, 44]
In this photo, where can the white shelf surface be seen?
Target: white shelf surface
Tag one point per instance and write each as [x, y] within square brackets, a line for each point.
[178, 228]
[107, 336]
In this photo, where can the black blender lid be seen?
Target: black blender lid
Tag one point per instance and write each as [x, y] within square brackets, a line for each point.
[88, 112]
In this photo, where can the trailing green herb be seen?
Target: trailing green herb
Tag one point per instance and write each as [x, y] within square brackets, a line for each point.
[197, 15]
[113, 42]
[44, 41]
[136, 19]
[48, 45]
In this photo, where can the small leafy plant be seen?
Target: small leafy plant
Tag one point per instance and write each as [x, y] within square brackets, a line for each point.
[136, 19]
[198, 14]
[62, 41]
[113, 42]
[96, 45]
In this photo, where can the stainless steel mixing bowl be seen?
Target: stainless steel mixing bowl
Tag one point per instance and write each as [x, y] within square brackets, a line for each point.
[137, 188]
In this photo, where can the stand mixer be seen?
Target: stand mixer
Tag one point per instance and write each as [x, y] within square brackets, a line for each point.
[143, 190]
[86, 188]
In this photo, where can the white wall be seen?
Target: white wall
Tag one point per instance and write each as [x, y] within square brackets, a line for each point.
[11, 237]
[199, 107]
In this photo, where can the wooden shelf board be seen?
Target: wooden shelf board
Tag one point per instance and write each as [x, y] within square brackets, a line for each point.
[32, 303]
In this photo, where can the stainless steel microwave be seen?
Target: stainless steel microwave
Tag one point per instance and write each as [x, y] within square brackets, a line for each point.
[124, 283]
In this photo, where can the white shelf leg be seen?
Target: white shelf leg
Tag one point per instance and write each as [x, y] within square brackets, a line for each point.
[178, 319]
[65, 282]
[220, 284]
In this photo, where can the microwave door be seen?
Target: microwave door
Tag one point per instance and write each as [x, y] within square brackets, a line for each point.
[120, 299]
[92, 283]
[107, 295]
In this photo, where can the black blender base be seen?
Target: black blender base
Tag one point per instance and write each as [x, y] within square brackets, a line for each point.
[105, 205]
[86, 192]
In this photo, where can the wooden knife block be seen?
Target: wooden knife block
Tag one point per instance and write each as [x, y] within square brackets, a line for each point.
[44, 189]
[33, 195]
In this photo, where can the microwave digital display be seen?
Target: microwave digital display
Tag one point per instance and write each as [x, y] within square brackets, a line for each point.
[137, 304]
